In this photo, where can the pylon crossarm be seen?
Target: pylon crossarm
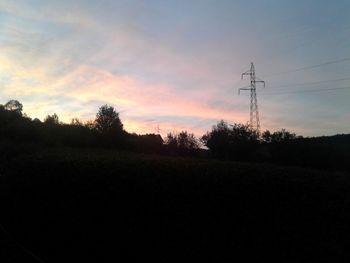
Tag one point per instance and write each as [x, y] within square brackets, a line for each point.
[246, 73]
[239, 90]
[261, 81]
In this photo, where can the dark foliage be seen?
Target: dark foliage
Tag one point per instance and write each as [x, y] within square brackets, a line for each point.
[110, 127]
[183, 143]
[236, 141]
[18, 128]
[21, 129]
[322, 152]
[278, 136]
[106, 131]
[52, 119]
[14, 106]
[107, 121]
[231, 142]
[148, 143]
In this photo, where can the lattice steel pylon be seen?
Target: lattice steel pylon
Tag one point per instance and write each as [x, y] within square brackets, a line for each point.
[254, 111]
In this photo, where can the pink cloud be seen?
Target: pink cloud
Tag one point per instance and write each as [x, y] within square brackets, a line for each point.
[142, 100]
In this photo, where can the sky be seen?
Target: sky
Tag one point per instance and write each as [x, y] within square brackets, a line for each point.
[169, 66]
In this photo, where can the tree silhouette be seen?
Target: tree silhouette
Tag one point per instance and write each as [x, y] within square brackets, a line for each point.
[282, 136]
[76, 122]
[187, 141]
[90, 124]
[107, 120]
[52, 119]
[266, 136]
[14, 105]
[279, 136]
[231, 141]
[183, 143]
[171, 142]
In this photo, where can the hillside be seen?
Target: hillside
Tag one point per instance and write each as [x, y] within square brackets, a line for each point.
[69, 205]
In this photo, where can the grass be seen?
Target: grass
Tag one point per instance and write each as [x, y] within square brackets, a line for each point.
[70, 205]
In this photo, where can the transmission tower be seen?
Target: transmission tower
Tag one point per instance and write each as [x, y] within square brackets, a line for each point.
[254, 112]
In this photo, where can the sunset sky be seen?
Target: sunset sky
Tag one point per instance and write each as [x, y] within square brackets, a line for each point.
[177, 64]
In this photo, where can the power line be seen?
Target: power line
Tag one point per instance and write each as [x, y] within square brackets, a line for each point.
[305, 91]
[312, 83]
[310, 67]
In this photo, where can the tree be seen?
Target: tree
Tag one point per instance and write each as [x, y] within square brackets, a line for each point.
[187, 141]
[107, 120]
[282, 136]
[90, 124]
[236, 141]
[15, 106]
[279, 136]
[183, 143]
[52, 119]
[218, 139]
[171, 141]
[266, 136]
[76, 122]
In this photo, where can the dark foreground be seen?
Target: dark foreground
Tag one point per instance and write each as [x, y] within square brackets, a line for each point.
[74, 206]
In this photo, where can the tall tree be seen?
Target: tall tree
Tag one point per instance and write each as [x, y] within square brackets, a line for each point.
[107, 120]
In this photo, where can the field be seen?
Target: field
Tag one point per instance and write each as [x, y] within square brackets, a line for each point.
[73, 205]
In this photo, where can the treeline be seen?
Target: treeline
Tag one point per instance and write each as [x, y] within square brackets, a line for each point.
[230, 142]
[105, 131]
[239, 142]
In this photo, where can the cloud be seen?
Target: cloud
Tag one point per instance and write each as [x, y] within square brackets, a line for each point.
[75, 70]
[160, 65]
[85, 84]
[138, 99]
